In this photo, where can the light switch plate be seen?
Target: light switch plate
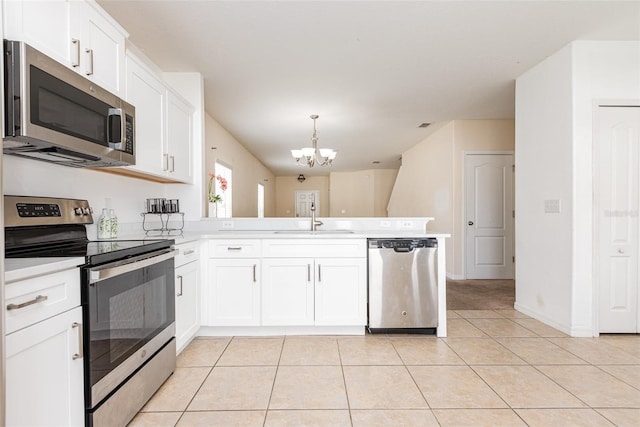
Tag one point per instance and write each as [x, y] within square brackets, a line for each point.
[227, 224]
[552, 206]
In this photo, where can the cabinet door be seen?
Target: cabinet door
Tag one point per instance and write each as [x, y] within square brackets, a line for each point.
[147, 93]
[187, 310]
[233, 292]
[179, 139]
[43, 24]
[287, 291]
[341, 291]
[101, 47]
[44, 384]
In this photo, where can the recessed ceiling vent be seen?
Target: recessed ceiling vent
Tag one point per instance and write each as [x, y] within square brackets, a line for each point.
[423, 125]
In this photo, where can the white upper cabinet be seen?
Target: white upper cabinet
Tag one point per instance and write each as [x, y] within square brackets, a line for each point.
[148, 95]
[78, 34]
[179, 150]
[164, 125]
[45, 25]
[100, 54]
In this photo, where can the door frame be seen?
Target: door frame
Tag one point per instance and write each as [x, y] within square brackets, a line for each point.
[595, 184]
[463, 205]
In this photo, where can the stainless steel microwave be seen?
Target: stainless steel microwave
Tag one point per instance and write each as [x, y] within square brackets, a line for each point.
[54, 114]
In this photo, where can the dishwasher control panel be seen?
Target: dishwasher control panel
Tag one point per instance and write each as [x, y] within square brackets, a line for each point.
[402, 244]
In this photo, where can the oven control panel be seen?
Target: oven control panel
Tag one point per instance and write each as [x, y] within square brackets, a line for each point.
[29, 211]
[37, 209]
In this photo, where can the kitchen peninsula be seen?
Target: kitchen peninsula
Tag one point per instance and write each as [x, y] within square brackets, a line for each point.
[274, 276]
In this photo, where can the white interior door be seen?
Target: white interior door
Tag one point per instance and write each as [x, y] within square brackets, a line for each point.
[489, 216]
[303, 202]
[618, 161]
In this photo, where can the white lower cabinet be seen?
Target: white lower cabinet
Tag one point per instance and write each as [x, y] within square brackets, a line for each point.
[233, 292]
[287, 291]
[287, 282]
[44, 373]
[187, 285]
[341, 291]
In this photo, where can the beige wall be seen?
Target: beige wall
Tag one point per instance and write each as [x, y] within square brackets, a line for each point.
[248, 171]
[348, 194]
[361, 193]
[430, 180]
[286, 186]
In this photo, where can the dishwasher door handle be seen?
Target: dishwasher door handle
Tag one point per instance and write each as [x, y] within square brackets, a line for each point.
[405, 250]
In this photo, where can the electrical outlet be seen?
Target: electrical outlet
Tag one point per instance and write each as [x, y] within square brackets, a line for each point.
[406, 224]
[385, 224]
[227, 224]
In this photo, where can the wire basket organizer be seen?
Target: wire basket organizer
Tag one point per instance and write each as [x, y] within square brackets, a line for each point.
[167, 211]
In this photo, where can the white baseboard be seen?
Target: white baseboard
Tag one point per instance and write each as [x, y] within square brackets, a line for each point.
[574, 332]
[455, 276]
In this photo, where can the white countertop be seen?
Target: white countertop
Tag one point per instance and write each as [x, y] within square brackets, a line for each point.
[22, 268]
[287, 234]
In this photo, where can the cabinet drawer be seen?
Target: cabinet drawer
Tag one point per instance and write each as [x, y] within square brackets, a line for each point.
[187, 253]
[302, 248]
[240, 248]
[32, 300]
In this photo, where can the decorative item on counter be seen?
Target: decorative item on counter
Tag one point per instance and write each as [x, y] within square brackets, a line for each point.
[162, 209]
[104, 225]
[213, 197]
[113, 224]
[108, 222]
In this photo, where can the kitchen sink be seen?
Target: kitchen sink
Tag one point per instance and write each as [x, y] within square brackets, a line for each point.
[313, 232]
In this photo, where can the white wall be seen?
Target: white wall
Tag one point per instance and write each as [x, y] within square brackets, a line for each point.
[25, 177]
[554, 155]
[544, 170]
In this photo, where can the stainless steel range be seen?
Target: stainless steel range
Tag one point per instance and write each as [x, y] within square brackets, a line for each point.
[127, 302]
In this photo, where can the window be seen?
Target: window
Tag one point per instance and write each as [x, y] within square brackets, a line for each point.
[260, 201]
[225, 207]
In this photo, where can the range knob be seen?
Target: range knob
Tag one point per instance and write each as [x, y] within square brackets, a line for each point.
[86, 211]
[77, 211]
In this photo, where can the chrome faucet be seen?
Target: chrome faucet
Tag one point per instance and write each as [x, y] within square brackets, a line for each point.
[314, 223]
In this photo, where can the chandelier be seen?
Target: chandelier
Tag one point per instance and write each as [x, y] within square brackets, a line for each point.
[312, 155]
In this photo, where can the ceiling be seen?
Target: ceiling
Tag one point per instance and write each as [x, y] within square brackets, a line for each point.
[372, 70]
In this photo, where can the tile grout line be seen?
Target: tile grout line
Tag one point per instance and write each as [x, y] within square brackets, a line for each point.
[273, 385]
[344, 380]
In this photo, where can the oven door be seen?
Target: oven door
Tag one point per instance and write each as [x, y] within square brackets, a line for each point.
[129, 308]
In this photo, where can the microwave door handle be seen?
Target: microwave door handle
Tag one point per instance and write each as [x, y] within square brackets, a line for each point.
[115, 128]
[118, 268]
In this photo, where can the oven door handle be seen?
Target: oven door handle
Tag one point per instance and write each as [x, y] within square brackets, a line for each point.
[118, 268]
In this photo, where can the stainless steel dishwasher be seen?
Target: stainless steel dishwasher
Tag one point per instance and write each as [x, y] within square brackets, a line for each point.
[403, 286]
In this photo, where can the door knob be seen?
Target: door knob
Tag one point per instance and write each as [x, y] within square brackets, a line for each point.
[620, 251]
[470, 223]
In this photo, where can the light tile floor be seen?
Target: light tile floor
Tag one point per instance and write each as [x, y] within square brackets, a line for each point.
[496, 368]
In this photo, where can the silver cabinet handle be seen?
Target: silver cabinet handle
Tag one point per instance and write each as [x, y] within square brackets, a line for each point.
[79, 354]
[234, 248]
[308, 272]
[36, 300]
[180, 293]
[166, 162]
[254, 273]
[75, 61]
[319, 273]
[90, 64]
[189, 252]
[173, 164]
